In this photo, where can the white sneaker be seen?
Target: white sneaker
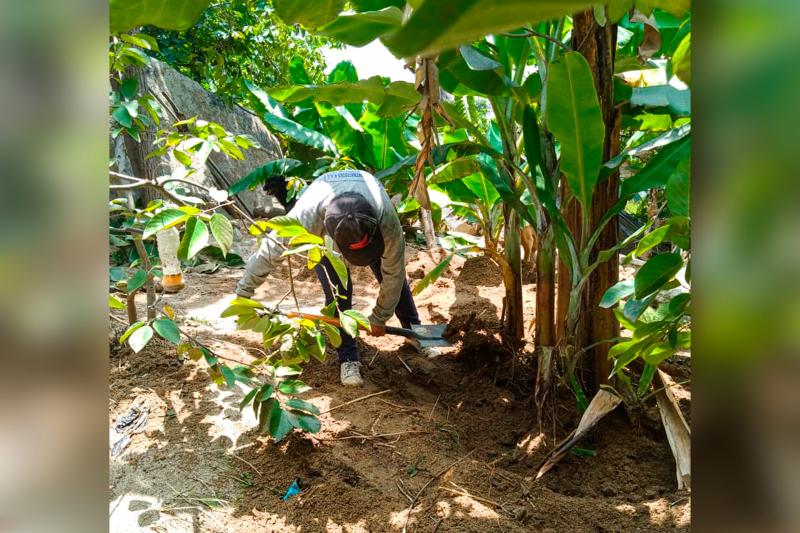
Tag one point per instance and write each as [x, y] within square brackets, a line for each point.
[350, 374]
[431, 352]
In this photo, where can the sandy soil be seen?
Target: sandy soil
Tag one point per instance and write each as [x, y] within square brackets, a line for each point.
[200, 465]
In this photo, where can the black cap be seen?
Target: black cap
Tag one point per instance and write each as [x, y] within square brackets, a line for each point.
[352, 222]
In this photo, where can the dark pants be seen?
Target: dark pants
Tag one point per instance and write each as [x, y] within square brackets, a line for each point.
[406, 311]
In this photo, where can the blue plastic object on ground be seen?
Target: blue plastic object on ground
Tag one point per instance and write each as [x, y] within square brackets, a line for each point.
[293, 490]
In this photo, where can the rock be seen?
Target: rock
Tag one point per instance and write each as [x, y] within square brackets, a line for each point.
[608, 489]
[181, 98]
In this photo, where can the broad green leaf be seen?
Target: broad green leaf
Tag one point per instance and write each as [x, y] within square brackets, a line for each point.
[442, 24]
[476, 60]
[288, 370]
[682, 60]
[434, 274]
[195, 238]
[616, 292]
[309, 13]
[299, 133]
[665, 139]
[675, 7]
[362, 320]
[128, 88]
[259, 228]
[116, 273]
[677, 190]
[333, 334]
[532, 142]
[164, 220]
[617, 9]
[658, 169]
[623, 353]
[142, 40]
[113, 303]
[279, 423]
[439, 155]
[658, 353]
[247, 302]
[247, 399]
[139, 338]
[237, 310]
[349, 325]
[306, 238]
[168, 330]
[652, 239]
[210, 358]
[176, 15]
[677, 305]
[133, 327]
[455, 170]
[222, 230]
[573, 116]
[634, 308]
[286, 226]
[373, 5]
[657, 271]
[362, 28]
[339, 266]
[306, 422]
[458, 76]
[264, 393]
[483, 188]
[678, 101]
[402, 94]
[504, 183]
[302, 405]
[298, 249]
[293, 386]
[647, 377]
[259, 176]
[227, 373]
[137, 280]
[121, 115]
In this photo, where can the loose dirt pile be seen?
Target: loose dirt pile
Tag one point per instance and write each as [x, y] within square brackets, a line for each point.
[200, 465]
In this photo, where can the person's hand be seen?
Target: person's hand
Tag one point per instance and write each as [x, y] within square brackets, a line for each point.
[377, 330]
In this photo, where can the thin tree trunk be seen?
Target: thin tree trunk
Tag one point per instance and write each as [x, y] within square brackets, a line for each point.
[426, 221]
[149, 283]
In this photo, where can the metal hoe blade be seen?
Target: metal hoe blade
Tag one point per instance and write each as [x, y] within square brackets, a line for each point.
[430, 334]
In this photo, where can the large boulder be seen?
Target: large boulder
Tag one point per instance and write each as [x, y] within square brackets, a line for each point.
[181, 98]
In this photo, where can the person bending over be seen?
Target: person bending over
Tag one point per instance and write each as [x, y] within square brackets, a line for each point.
[352, 207]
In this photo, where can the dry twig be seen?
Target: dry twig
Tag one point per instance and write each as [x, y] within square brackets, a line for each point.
[354, 401]
[425, 486]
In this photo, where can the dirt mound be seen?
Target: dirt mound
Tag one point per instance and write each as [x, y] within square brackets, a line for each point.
[480, 271]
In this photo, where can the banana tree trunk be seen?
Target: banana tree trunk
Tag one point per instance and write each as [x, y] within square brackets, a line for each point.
[514, 319]
[598, 45]
[544, 333]
[427, 84]
[571, 212]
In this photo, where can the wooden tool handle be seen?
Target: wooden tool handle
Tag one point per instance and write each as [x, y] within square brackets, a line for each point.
[328, 319]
